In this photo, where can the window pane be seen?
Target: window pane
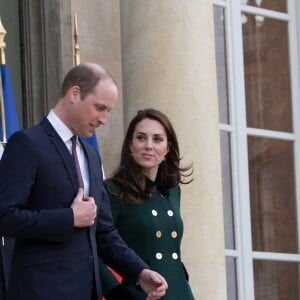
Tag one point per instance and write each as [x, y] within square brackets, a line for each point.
[272, 193]
[277, 5]
[267, 73]
[227, 191]
[276, 280]
[220, 46]
[231, 278]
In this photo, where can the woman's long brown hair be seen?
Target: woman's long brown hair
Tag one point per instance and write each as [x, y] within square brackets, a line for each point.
[129, 175]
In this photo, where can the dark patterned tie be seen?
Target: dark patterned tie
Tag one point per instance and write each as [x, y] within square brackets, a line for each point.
[75, 158]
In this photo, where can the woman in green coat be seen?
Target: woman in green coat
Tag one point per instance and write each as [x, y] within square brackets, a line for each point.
[144, 195]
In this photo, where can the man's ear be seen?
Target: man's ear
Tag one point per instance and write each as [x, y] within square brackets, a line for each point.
[74, 93]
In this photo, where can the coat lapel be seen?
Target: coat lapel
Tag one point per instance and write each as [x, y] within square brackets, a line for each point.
[61, 149]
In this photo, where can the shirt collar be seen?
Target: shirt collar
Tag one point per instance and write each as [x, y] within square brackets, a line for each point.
[62, 130]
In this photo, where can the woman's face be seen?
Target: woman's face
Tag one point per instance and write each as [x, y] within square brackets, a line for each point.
[149, 146]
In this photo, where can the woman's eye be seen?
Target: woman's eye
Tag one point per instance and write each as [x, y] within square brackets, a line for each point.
[158, 139]
[140, 137]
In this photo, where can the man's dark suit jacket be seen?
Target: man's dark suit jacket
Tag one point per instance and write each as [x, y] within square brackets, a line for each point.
[6, 251]
[52, 259]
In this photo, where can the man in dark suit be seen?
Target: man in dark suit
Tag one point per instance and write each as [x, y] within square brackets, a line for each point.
[6, 249]
[58, 212]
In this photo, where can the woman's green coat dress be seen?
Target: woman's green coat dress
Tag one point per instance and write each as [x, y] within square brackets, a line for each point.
[154, 230]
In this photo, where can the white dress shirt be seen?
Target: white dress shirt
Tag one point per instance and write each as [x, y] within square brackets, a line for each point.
[66, 134]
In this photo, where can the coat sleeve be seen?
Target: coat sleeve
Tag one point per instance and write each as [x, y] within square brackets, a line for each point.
[18, 173]
[112, 284]
[108, 279]
[113, 250]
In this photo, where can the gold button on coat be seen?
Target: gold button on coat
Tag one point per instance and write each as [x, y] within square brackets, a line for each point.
[154, 212]
[158, 234]
[174, 234]
[170, 213]
[158, 255]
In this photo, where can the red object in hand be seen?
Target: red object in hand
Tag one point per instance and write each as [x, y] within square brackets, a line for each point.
[118, 277]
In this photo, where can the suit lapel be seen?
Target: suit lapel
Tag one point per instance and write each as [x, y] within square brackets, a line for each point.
[61, 149]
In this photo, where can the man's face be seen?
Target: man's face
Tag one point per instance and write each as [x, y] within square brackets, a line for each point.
[92, 111]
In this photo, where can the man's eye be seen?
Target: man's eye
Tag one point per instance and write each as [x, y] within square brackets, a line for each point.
[100, 108]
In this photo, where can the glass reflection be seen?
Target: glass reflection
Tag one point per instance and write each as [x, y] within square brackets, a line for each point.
[231, 278]
[220, 52]
[276, 5]
[267, 73]
[272, 195]
[227, 191]
[276, 280]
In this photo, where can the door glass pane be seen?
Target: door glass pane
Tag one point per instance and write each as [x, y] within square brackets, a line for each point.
[220, 49]
[227, 191]
[277, 5]
[267, 73]
[272, 194]
[276, 280]
[231, 278]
